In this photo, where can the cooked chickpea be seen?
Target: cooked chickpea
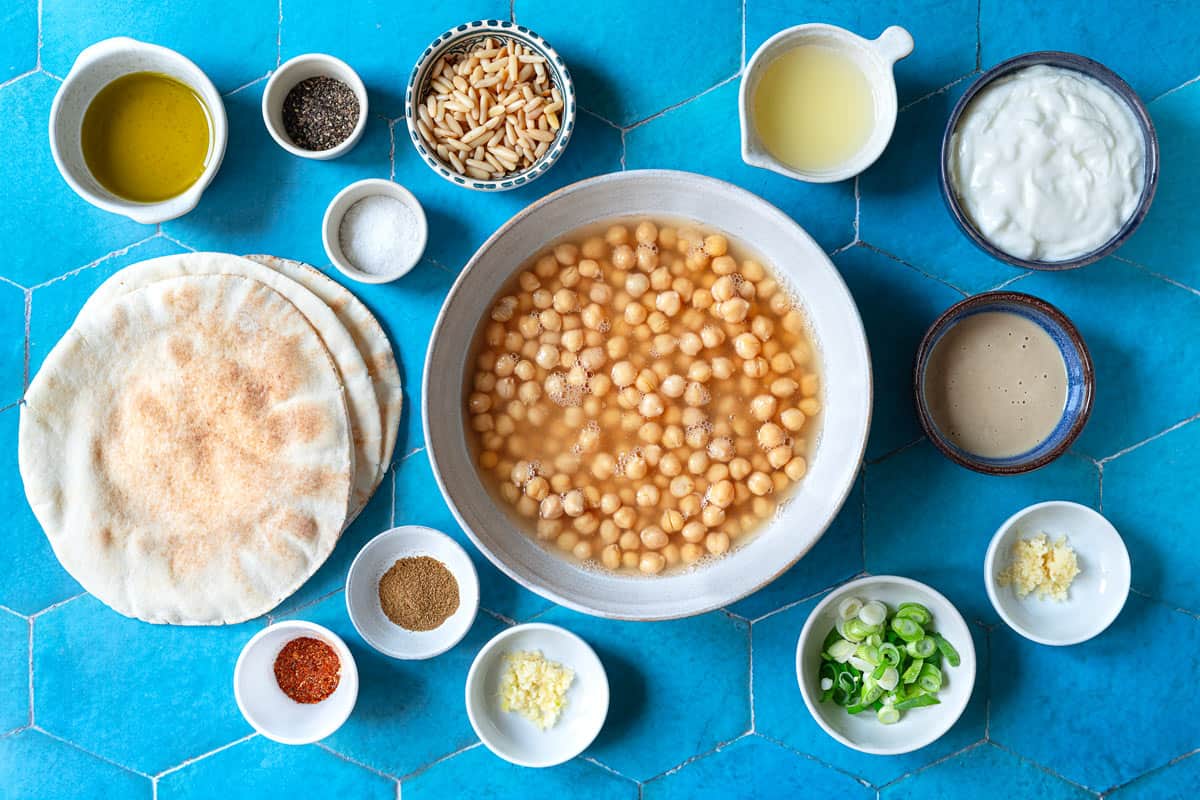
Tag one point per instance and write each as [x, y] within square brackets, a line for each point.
[760, 483]
[747, 345]
[717, 543]
[722, 368]
[652, 563]
[810, 406]
[734, 310]
[783, 388]
[610, 556]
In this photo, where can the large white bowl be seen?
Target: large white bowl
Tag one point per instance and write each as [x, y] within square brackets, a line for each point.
[845, 365]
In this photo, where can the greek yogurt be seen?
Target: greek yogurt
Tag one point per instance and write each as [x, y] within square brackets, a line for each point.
[1048, 163]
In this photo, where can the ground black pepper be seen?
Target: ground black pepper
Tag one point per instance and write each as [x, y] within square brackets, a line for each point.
[320, 113]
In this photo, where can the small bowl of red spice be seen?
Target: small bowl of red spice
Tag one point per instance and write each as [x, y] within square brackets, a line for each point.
[295, 682]
[412, 592]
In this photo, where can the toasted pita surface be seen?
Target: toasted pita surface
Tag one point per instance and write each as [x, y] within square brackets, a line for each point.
[373, 343]
[365, 415]
[187, 449]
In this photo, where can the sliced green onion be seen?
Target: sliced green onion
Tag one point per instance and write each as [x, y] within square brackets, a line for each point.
[889, 679]
[849, 608]
[877, 673]
[875, 639]
[861, 664]
[907, 630]
[841, 650]
[856, 630]
[856, 708]
[873, 613]
[868, 653]
[890, 654]
[870, 695]
[922, 648]
[847, 682]
[826, 684]
[913, 672]
[832, 637]
[947, 650]
[930, 679]
[917, 702]
[888, 715]
[916, 612]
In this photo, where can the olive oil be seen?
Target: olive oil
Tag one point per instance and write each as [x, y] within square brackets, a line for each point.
[146, 137]
[813, 108]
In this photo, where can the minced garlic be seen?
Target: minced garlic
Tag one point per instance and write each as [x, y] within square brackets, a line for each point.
[1038, 565]
[535, 687]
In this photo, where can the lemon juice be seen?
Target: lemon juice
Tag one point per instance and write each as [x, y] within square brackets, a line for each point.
[813, 108]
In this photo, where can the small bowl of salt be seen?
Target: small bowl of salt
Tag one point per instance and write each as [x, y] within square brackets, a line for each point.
[374, 231]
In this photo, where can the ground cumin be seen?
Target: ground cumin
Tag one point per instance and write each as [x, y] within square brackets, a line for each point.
[418, 593]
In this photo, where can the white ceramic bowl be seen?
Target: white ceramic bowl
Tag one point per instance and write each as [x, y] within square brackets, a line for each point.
[1097, 594]
[874, 57]
[917, 727]
[301, 68]
[516, 739]
[461, 38]
[362, 592]
[842, 352]
[341, 203]
[96, 67]
[271, 712]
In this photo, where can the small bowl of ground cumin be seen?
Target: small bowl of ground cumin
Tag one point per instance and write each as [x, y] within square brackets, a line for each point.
[315, 106]
[412, 592]
[295, 682]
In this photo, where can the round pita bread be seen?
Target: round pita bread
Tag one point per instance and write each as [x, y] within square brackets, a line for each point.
[365, 415]
[373, 343]
[187, 449]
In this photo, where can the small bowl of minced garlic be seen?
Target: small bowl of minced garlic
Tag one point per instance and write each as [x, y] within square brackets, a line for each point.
[537, 695]
[490, 106]
[1057, 573]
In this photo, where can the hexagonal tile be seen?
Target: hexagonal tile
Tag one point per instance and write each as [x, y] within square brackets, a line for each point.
[780, 713]
[18, 49]
[897, 304]
[1007, 776]
[658, 717]
[265, 200]
[833, 559]
[1060, 690]
[1166, 241]
[932, 520]
[478, 773]
[754, 767]
[1168, 33]
[1149, 494]
[234, 41]
[461, 219]
[145, 696]
[409, 713]
[381, 40]
[902, 210]
[39, 206]
[259, 767]
[1178, 782]
[35, 765]
[14, 671]
[1137, 348]
[698, 46]
[670, 142]
[944, 33]
[12, 343]
[37, 581]
[418, 502]
[53, 306]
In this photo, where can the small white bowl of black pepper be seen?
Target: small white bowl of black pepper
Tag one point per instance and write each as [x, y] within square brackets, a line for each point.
[315, 106]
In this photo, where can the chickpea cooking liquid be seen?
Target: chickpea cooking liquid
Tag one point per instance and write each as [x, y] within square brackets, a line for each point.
[642, 396]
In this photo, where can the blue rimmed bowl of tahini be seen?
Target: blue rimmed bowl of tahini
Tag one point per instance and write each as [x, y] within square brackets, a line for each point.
[461, 39]
[1081, 381]
[1093, 69]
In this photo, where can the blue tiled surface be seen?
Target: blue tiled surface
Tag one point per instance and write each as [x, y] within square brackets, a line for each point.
[701, 707]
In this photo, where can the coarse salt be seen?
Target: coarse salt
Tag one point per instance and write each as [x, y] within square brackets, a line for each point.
[380, 235]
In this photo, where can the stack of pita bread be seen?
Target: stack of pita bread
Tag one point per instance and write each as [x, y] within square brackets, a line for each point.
[197, 441]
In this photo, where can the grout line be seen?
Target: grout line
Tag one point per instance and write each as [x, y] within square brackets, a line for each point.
[194, 759]
[498, 616]
[935, 763]
[937, 91]
[1099, 486]
[356, 762]
[857, 209]
[16, 78]
[1186, 612]
[37, 62]
[682, 103]
[51, 75]
[413, 452]
[795, 603]
[848, 246]
[59, 604]
[1150, 772]
[247, 85]
[750, 675]
[437, 761]
[1173, 90]
[1148, 440]
[279, 37]
[392, 517]
[987, 704]
[1043, 768]
[28, 339]
[743, 61]
[97, 756]
[811, 757]
[978, 35]
[592, 760]
[391, 123]
[178, 243]
[31, 720]
[114, 254]
[914, 267]
[512, 11]
[624, 151]
[897, 451]
[307, 604]
[1004, 284]
[692, 759]
[1165, 278]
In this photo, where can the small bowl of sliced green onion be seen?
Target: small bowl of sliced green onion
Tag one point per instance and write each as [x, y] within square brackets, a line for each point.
[886, 664]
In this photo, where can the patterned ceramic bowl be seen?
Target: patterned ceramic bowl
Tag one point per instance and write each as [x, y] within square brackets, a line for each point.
[461, 39]
[1081, 380]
